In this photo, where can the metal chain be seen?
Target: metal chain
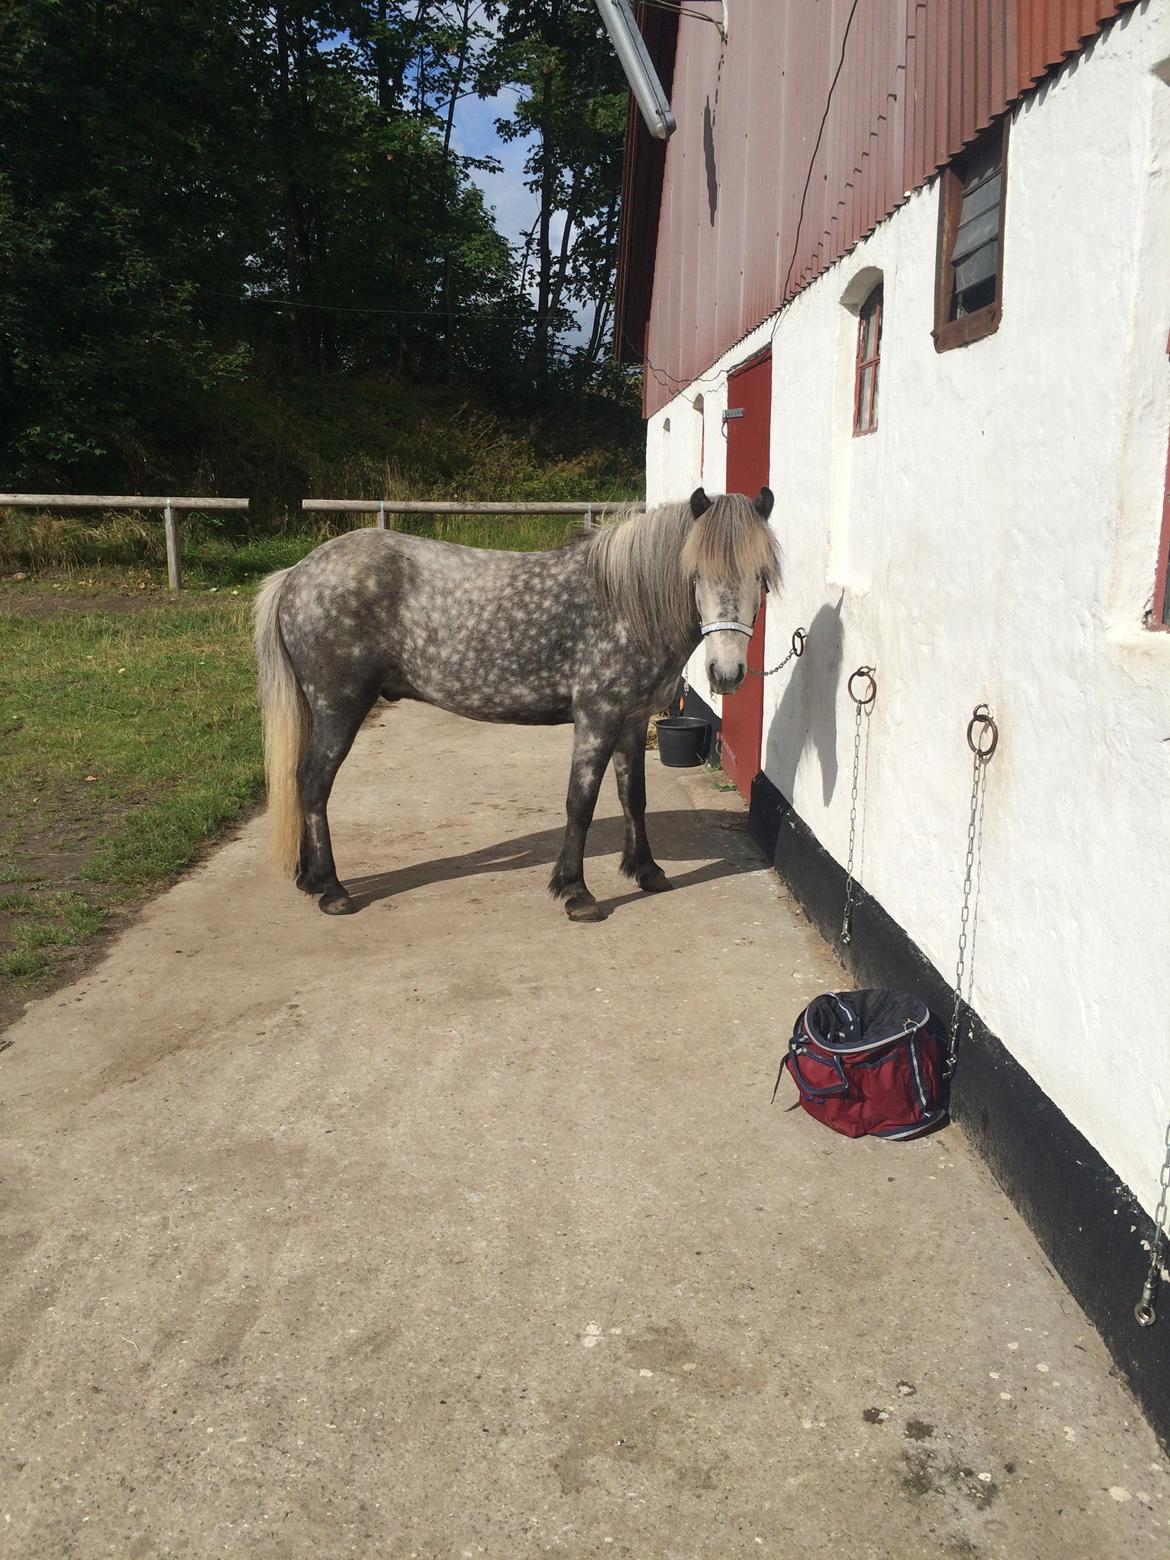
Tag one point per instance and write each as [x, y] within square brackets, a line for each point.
[1144, 1310]
[981, 718]
[797, 650]
[846, 919]
[799, 640]
[863, 706]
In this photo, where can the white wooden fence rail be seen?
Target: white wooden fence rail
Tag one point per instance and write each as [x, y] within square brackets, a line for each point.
[382, 507]
[127, 501]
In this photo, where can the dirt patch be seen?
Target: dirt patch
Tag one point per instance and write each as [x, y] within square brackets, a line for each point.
[60, 872]
[53, 846]
[40, 604]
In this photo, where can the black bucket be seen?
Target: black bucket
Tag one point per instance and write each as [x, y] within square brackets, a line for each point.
[682, 741]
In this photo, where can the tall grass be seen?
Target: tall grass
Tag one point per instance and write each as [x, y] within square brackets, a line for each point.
[125, 549]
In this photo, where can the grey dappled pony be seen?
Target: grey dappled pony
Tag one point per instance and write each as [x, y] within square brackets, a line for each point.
[595, 632]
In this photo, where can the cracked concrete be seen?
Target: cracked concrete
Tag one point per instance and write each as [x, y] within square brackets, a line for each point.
[454, 1229]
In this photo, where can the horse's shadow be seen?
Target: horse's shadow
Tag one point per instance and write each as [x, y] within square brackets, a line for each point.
[677, 836]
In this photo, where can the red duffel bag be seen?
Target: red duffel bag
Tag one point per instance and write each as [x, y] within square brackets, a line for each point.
[869, 1063]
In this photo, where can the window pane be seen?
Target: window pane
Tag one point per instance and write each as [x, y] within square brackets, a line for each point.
[980, 295]
[974, 232]
[981, 195]
[977, 267]
[863, 420]
[869, 328]
[865, 346]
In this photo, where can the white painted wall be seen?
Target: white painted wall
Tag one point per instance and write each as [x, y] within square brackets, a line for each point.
[995, 539]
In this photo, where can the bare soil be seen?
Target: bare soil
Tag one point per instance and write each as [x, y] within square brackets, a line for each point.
[38, 604]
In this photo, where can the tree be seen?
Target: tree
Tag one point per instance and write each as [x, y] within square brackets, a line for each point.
[206, 200]
[571, 100]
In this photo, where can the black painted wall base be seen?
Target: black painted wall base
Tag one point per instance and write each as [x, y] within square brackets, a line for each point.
[1082, 1215]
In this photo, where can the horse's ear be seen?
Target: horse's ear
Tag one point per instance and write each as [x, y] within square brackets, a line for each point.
[764, 503]
[700, 503]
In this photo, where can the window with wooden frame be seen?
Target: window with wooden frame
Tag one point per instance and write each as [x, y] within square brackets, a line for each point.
[869, 346]
[969, 284]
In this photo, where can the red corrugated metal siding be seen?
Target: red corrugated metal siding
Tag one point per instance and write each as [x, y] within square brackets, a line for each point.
[920, 79]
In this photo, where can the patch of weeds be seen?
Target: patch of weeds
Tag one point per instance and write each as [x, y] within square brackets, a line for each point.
[43, 926]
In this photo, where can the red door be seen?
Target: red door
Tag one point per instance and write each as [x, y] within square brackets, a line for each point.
[749, 405]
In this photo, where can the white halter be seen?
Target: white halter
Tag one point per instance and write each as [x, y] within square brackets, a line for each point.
[726, 625]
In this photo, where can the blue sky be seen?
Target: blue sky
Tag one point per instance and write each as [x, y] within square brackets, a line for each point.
[475, 136]
[514, 205]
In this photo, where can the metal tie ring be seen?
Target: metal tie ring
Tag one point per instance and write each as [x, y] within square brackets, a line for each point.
[863, 701]
[982, 721]
[798, 641]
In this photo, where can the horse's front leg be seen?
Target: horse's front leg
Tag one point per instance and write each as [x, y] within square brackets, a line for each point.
[629, 765]
[593, 745]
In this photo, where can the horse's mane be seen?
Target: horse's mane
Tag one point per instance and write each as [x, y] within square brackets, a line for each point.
[646, 564]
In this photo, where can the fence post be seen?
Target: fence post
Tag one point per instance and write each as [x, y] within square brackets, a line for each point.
[589, 518]
[381, 517]
[174, 561]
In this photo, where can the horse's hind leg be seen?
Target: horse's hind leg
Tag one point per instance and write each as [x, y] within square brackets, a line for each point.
[332, 737]
[629, 765]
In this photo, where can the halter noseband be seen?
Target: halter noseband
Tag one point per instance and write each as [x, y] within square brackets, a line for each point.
[726, 625]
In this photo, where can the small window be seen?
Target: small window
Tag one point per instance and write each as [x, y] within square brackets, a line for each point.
[869, 346]
[970, 242]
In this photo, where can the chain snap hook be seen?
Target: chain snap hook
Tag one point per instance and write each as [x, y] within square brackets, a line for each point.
[1144, 1313]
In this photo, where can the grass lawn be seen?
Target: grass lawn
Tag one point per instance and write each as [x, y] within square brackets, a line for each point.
[129, 739]
[129, 736]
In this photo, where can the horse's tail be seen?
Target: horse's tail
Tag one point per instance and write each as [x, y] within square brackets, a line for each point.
[287, 722]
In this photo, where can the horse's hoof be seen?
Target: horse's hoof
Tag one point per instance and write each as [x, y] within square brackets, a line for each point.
[584, 908]
[336, 903]
[655, 881]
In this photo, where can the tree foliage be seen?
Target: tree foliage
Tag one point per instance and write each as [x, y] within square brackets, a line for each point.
[571, 105]
[203, 205]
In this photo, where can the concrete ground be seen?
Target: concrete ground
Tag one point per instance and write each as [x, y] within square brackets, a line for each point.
[453, 1229]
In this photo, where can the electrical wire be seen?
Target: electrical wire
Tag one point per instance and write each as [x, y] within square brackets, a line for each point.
[664, 377]
[342, 308]
[681, 9]
[816, 148]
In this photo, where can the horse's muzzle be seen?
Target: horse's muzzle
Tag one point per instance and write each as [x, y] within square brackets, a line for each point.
[725, 680]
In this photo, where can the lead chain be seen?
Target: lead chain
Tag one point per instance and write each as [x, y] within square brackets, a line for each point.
[798, 639]
[863, 706]
[981, 721]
